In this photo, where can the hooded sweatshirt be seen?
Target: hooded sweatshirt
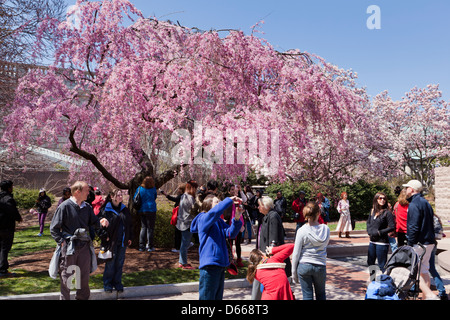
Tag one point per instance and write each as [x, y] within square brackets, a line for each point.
[311, 245]
[213, 233]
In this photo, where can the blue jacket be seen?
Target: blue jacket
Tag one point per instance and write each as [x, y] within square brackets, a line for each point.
[148, 197]
[120, 228]
[213, 233]
[420, 227]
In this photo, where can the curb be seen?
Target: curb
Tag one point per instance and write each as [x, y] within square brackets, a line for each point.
[132, 292]
[335, 251]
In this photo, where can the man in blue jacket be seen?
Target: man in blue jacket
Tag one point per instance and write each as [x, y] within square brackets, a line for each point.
[213, 233]
[420, 229]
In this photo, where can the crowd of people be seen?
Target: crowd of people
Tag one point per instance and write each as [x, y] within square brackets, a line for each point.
[219, 220]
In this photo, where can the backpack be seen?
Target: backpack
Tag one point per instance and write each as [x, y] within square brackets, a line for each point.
[173, 219]
[137, 200]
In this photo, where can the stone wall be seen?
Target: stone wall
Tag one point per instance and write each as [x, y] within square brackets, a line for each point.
[442, 193]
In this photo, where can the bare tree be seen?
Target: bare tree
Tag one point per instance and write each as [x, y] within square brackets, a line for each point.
[19, 21]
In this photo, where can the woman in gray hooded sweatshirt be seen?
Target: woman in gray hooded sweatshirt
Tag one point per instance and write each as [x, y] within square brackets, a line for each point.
[310, 254]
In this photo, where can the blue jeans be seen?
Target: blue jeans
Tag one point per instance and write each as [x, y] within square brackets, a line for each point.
[248, 226]
[433, 272]
[393, 244]
[312, 276]
[112, 276]
[377, 252]
[146, 235]
[186, 237]
[211, 284]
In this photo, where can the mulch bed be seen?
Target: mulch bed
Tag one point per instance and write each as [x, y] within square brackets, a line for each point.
[161, 258]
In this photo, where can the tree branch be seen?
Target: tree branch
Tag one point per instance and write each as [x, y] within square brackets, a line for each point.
[93, 159]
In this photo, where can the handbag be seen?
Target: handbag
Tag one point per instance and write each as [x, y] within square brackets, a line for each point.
[137, 200]
[173, 219]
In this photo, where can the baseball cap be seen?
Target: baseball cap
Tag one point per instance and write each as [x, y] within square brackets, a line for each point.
[415, 184]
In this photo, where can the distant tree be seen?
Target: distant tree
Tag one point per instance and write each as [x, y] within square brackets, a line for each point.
[416, 129]
[19, 21]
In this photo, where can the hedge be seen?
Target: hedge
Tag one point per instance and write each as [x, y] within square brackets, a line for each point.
[360, 196]
[26, 198]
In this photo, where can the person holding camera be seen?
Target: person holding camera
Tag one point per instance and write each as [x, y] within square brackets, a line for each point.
[213, 232]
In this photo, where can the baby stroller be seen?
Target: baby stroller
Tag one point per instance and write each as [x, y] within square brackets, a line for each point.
[402, 272]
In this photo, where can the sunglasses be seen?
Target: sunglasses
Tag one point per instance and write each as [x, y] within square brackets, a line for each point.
[381, 198]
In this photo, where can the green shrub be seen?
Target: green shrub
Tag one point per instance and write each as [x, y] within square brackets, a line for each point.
[290, 191]
[164, 231]
[360, 197]
[26, 198]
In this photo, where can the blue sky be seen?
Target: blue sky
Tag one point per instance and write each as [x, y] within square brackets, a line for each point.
[412, 48]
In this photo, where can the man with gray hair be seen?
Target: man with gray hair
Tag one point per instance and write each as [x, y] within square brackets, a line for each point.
[70, 229]
[420, 229]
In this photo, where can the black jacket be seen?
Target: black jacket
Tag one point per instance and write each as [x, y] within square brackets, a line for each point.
[379, 227]
[120, 229]
[272, 230]
[280, 206]
[43, 204]
[419, 225]
[8, 212]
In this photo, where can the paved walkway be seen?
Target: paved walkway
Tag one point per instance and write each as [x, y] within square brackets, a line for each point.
[346, 277]
[345, 280]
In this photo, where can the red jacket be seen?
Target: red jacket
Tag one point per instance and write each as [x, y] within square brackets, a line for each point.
[297, 206]
[400, 213]
[274, 280]
[97, 203]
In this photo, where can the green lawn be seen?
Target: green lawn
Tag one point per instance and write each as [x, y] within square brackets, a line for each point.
[25, 282]
[360, 225]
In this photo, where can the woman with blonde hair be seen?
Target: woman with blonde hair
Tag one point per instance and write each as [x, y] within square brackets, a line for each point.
[310, 254]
